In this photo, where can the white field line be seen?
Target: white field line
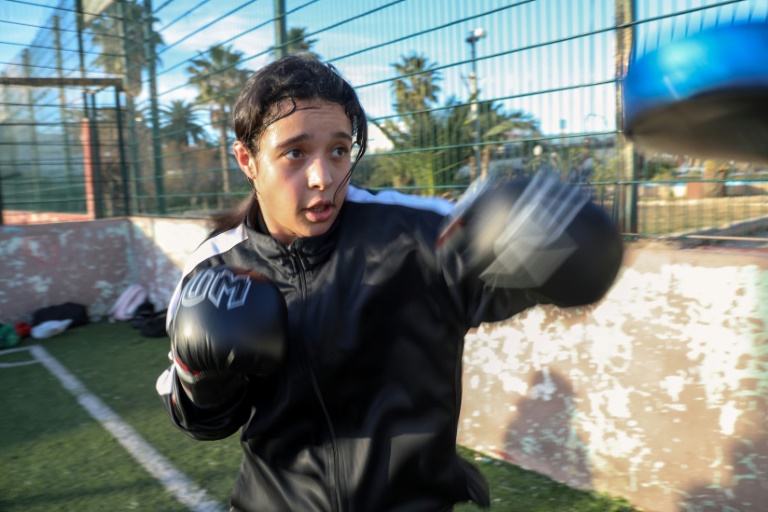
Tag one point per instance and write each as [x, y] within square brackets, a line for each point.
[17, 363]
[174, 481]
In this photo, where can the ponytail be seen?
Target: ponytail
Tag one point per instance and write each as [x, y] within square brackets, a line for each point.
[232, 217]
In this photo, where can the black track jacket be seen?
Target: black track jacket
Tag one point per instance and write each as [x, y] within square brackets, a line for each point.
[363, 415]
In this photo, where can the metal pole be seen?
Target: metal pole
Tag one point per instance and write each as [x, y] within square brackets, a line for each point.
[80, 49]
[121, 151]
[80, 24]
[627, 193]
[474, 36]
[474, 109]
[98, 189]
[63, 111]
[13, 149]
[34, 154]
[133, 148]
[149, 49]
[280, 30]
[130, 109]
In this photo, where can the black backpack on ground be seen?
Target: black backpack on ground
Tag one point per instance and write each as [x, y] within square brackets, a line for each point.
[150, 323]
[67, 311]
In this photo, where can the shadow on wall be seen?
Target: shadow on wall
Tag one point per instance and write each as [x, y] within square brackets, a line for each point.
[542, 436]
[740, 476]
[160, 250]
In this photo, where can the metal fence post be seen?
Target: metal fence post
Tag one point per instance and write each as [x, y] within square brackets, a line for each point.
[121, 151]
[626, 196]
[34, 154]
[130, 108]
[81, 49]
[149, 49]
[98, 172]
[280, 31]
[63, 111]
[157, 156]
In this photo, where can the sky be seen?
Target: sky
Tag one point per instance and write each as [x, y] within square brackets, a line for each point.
[564, 69]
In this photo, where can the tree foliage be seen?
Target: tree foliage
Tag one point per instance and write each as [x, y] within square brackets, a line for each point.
[218, 76]
[179, 123]
[121, 37]
[417, 87]
[432, 143]
[297, 42]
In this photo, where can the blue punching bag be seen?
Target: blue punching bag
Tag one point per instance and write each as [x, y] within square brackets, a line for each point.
[705, 95]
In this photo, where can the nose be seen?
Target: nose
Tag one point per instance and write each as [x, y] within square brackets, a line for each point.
[319, 174]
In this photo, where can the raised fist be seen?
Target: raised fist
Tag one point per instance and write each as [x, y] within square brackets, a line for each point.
[536, 234]
[229, 324]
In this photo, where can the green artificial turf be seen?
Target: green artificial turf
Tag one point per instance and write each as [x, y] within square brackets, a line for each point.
[55, 457]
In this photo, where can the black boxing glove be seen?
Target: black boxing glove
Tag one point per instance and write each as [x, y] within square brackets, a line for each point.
[535, 234]
[229, 325]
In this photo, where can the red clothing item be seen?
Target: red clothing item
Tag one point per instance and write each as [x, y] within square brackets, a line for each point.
[23, 329]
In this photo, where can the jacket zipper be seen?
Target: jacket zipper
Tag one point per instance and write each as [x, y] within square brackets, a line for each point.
[334, 473]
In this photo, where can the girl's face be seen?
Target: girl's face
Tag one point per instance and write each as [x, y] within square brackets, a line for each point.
[302, 160]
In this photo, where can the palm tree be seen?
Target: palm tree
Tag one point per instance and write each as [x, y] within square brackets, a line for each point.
[121, 37]
[416, 88]
[179, 123]
[457, 129]
[110, 184]
[218, 78]
[415, 92]
[431, 144]
[296, 42]
[180, 128]
[496, 124]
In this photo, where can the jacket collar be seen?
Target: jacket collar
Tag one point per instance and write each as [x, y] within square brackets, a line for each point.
[311, 251]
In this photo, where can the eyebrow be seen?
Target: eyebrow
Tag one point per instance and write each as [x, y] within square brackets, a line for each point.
[342, 135]
[305, 136]
[293, 140]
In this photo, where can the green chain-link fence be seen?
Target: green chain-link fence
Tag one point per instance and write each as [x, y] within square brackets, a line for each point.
[113, 108]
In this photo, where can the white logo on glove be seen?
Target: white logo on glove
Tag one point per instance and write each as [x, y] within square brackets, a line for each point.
[214, 285]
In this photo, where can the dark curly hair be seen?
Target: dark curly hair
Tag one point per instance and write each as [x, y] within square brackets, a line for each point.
[261, 102]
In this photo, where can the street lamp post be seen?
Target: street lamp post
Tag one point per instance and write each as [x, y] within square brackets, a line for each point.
[474, 36]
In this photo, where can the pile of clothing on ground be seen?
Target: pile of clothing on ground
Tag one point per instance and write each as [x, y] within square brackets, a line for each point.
[133, 306]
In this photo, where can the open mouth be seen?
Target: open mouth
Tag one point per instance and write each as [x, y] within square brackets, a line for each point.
[320, 212]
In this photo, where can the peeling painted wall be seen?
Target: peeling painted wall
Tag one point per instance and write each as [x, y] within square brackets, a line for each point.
[91, 263]
[49, 264]
[658, 393]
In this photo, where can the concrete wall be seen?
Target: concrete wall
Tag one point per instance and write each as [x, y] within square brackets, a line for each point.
[91, 263]
[658, 393]
[161, 247]
[49, 264]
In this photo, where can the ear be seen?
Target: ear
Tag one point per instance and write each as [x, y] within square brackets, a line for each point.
[244, 159]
